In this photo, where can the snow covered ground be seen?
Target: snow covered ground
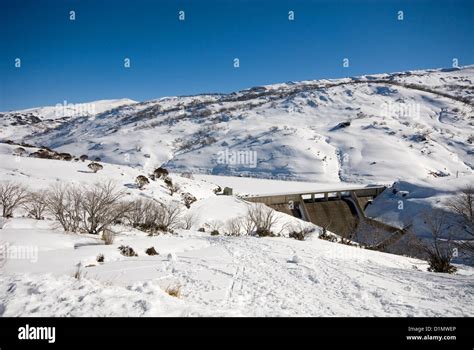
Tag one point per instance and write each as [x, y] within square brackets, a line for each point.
[216, 275]
[220, 276]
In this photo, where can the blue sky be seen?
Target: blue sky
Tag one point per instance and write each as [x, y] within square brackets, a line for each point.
[82, 60]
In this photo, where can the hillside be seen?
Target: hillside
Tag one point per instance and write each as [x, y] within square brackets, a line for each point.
[380, 128]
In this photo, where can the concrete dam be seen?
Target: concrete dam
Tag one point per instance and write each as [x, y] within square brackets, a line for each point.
[339, 211]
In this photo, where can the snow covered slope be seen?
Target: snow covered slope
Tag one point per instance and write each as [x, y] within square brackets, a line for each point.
[380, 128]
[16, 124]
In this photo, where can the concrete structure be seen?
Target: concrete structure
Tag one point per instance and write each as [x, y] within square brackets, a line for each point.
[338, 210]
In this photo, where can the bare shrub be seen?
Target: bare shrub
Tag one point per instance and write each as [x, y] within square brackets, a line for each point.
[138, 211]
[263, 218]
[233, 226]
[326, 235]
[169, 216]
[35, 204]
[152, 216]
[463, 205]
[215, 226]
[64, 203]
[95, 167]
[108, 236]
[369, 234]
[12, 195]
[101, 207]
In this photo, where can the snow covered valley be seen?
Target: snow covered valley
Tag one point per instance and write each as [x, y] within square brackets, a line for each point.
[180, 247]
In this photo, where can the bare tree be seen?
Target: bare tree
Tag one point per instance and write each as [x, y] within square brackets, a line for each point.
[463, 206]
[263, 218]
[187, 220]
[12, 195]
[35, 204]
[64, 203]
[248, 224]
[101, 207]
[440, 249]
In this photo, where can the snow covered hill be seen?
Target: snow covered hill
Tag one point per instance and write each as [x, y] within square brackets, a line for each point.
[17, 124]
[380, 128]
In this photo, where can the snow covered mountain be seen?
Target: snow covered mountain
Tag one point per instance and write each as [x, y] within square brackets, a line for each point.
[378, 128]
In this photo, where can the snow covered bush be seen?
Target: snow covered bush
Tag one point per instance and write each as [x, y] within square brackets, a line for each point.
[95, 167]
[127, 251]
[160, 172]
[188, 199]
[298, 230]
[151, 251]
[12, 195]
[141, 181]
